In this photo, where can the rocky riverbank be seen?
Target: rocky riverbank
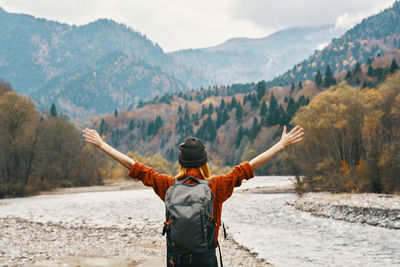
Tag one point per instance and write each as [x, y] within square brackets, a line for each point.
[30, 243]
[93, 227]
[372, 209]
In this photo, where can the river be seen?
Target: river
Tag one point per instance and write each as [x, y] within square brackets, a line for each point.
[264, 223]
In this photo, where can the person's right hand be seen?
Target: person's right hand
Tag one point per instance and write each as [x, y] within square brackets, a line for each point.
[294, 136]
[92, 137]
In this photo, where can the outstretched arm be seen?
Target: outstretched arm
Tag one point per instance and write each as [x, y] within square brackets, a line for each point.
[287, 139]
[92, 137]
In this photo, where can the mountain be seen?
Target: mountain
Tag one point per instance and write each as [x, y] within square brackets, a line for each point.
[242, 60]
[372, 38]
[124, 80]
[44, 59]
[240, 120]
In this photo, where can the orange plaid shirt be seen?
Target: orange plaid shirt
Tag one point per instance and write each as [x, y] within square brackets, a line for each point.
[221, 185]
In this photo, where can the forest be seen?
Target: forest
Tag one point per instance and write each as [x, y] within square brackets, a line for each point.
[352, 140]
[351, 122]
[238, 122]
[41, 151]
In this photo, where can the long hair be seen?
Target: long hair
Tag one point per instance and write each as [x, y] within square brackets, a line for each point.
[203, 169]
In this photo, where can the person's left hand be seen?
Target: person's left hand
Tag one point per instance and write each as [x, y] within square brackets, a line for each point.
[92, 137]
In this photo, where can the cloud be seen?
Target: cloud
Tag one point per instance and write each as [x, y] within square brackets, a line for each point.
[347, 21]
[179, 24]
[271, 14]
[173, 24]
[322, 45]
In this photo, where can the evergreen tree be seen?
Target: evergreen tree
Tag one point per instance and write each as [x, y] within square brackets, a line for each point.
[150, 128]
[370, 71]
[180, 110]
[285, 99]
[254, 102]
[393, 66]
[328, 79]
[115, 113]
[348, 75]
[179, 125]
[318, 79]
[274, 117]
[222, 105]
[222, 117]
[292, 88]
[131, 124]
[357, 68]
[255, 129]
[302, 101]
[226, 116]
[291, 107]
[245, 100]
[53, 110]
[157, 124]
[239, 111]
[195, 118]
[198, 97]
[280, 116]
[233, 103]
[273, 104]
[115, 137]
[300, 85]
[263, 109]
[241, 132]
[203, 110]
[211, 130]
[103, 127]
[261, 88]
[210, 109]
[219, 122]
[186, 118]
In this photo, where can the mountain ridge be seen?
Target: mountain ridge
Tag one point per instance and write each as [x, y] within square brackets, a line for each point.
[35, 51]
[240, 60]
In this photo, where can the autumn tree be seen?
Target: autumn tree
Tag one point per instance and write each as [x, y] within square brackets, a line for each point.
[18, 120]
[351, 139]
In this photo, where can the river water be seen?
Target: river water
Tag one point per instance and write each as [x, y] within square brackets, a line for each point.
[264, 223]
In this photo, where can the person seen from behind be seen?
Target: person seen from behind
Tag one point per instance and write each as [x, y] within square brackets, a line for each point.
[192, 242]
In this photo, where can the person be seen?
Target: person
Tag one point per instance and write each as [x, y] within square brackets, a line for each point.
[193, 160]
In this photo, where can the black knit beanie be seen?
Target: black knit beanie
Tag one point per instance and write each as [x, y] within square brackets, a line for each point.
[192, 153]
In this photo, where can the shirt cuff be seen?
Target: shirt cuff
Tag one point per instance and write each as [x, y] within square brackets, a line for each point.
[248, 170]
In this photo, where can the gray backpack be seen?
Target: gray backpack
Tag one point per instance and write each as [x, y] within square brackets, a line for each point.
[190, 225]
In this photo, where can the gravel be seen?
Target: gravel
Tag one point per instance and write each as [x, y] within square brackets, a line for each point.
[120, 228]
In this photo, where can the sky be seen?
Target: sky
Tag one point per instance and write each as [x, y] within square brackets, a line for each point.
[184, 24]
